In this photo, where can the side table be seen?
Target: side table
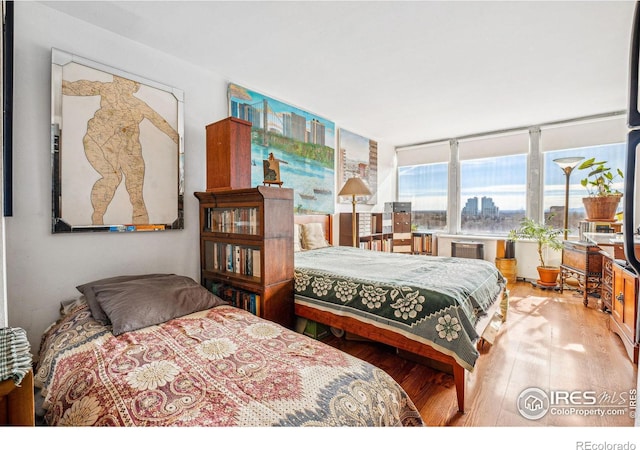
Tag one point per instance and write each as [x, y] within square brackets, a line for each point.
[582, 260]
[17, 406]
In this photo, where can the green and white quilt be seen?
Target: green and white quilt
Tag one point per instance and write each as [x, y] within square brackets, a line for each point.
[434, 300]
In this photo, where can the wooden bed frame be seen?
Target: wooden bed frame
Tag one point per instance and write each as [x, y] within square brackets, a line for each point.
[381, 335]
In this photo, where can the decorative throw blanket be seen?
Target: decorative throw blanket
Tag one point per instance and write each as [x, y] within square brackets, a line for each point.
[218, 367]
[434, 300]
[15, 356]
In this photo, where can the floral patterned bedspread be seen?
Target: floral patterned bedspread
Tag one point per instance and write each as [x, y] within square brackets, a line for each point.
[218, 367]
[433, 300]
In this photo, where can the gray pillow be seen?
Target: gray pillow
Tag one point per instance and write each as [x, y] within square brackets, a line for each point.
[134, 304]
[87, 290]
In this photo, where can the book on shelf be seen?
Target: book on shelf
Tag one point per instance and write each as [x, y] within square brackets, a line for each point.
[229, 257]
[417, 243]
[237, 267]
[240, 298]
[255, 262]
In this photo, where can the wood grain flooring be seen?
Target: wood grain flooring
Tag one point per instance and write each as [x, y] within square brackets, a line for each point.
[549, 340]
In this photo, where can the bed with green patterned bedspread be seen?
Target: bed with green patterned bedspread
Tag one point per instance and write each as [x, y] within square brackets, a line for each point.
[433, 300]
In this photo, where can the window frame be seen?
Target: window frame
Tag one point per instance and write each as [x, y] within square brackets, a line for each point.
[603, 130]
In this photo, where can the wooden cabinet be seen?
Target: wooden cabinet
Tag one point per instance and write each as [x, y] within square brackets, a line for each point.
[17, 406]
[397, 222]
[228, 154]
[624, 305]
[369, 233]
[246, 248]
[583, 261]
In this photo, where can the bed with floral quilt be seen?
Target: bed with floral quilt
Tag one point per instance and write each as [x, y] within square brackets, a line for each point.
[216, 365]
[432, 306]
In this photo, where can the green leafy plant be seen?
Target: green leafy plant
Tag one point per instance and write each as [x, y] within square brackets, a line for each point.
[545, 236]
[600, 179]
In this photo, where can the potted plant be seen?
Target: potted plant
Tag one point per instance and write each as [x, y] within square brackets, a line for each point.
[603, 199]
[546, 237]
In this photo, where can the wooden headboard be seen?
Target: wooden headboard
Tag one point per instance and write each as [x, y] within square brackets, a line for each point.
[325, 219]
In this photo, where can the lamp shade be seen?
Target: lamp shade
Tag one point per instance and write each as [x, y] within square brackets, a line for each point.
[354, 186]
[569, 162]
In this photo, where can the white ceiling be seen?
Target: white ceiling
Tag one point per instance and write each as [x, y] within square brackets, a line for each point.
[399, 72]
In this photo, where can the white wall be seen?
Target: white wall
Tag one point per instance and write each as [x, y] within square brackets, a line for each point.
[526, 253]
[42, 268]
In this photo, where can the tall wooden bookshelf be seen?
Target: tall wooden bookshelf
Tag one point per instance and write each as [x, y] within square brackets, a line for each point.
[246, 247]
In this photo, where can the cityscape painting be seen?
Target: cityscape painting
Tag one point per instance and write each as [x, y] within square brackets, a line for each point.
[358, 157]
[302, 142]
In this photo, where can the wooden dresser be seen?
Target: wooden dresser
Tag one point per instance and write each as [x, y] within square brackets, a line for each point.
[620, 288]
[17, 405]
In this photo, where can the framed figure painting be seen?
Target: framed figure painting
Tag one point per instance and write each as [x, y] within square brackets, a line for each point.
[358, 157]
[116, 149]
[301, 142]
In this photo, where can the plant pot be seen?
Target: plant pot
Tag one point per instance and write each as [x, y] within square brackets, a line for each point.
[601, 209]
[548, 275]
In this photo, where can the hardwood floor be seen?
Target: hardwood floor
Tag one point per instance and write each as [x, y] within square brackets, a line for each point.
[550, 341]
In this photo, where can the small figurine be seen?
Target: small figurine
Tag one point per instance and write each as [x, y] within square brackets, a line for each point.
[272, 170]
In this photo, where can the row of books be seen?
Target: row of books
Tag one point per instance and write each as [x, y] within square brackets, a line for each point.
[232, 220]
[249, 301]
[423, 243]
[224, 257]
[383, 245]
[596, 227]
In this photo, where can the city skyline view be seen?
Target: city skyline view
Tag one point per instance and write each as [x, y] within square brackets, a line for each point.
[425, 186]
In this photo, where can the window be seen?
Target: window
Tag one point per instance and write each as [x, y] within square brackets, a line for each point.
[602, 139]
[425, 186]
[493, 194]
[555, 182]
[502, 177]
[493, 182]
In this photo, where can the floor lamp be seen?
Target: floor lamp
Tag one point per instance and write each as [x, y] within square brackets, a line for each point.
[354, 186]
[567, 165]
